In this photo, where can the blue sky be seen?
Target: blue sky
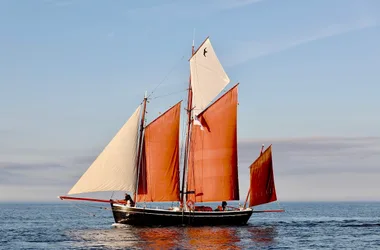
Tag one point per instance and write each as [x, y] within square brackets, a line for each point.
[71, 73]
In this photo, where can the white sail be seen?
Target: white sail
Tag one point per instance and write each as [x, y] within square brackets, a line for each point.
[208, 77]
[115, 168]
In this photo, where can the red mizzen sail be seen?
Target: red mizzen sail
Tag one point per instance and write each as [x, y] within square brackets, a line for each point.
[262, 188]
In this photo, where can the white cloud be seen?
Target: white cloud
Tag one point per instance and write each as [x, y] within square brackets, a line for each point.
[231, 4]
[59, 3]
[248, 50]
[111, 35]
[178, 9]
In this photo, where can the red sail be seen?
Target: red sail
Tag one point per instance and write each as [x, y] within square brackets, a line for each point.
[212, 165]
[262, 188]
[159, 172]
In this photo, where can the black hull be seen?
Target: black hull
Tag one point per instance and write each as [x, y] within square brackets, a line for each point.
[159, 217]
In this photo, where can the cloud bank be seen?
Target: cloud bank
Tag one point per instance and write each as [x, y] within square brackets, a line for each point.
[323, 168]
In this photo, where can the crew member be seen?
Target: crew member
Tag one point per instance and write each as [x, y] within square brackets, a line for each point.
[223, 207]
[129, 201]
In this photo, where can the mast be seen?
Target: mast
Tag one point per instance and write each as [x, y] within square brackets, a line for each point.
[139, 158]
[189, 109]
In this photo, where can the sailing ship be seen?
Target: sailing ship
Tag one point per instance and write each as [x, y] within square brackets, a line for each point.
[144, 160]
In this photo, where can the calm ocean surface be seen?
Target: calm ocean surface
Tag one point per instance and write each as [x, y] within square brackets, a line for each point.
[350, 225]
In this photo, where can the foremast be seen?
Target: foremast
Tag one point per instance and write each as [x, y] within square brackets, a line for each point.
[139, 158]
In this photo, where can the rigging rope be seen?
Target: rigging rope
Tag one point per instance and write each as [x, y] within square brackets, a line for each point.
[81, 209]
[74, 205]
[173, 93]
[279, 205]
[167, 75]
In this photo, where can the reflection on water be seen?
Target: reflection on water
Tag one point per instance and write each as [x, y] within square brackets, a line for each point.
[158, 238]
[208, 237]
[263, 234]
[123, 236]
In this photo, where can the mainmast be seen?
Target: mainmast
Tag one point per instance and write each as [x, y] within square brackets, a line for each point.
[189, 109]
[139, 158]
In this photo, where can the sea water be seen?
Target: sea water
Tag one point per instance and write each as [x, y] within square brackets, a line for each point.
[314, 225]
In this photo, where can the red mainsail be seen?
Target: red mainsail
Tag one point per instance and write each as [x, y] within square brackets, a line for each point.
[212, 165]
[159, 172]
[262, 188]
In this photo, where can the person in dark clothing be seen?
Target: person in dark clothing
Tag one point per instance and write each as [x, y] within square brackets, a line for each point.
[129, 201]
[224, 205]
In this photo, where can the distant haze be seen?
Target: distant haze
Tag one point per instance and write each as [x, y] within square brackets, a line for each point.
[306, 169]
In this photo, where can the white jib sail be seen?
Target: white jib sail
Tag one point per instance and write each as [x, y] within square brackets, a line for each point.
[208, 77]
[115, 168]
